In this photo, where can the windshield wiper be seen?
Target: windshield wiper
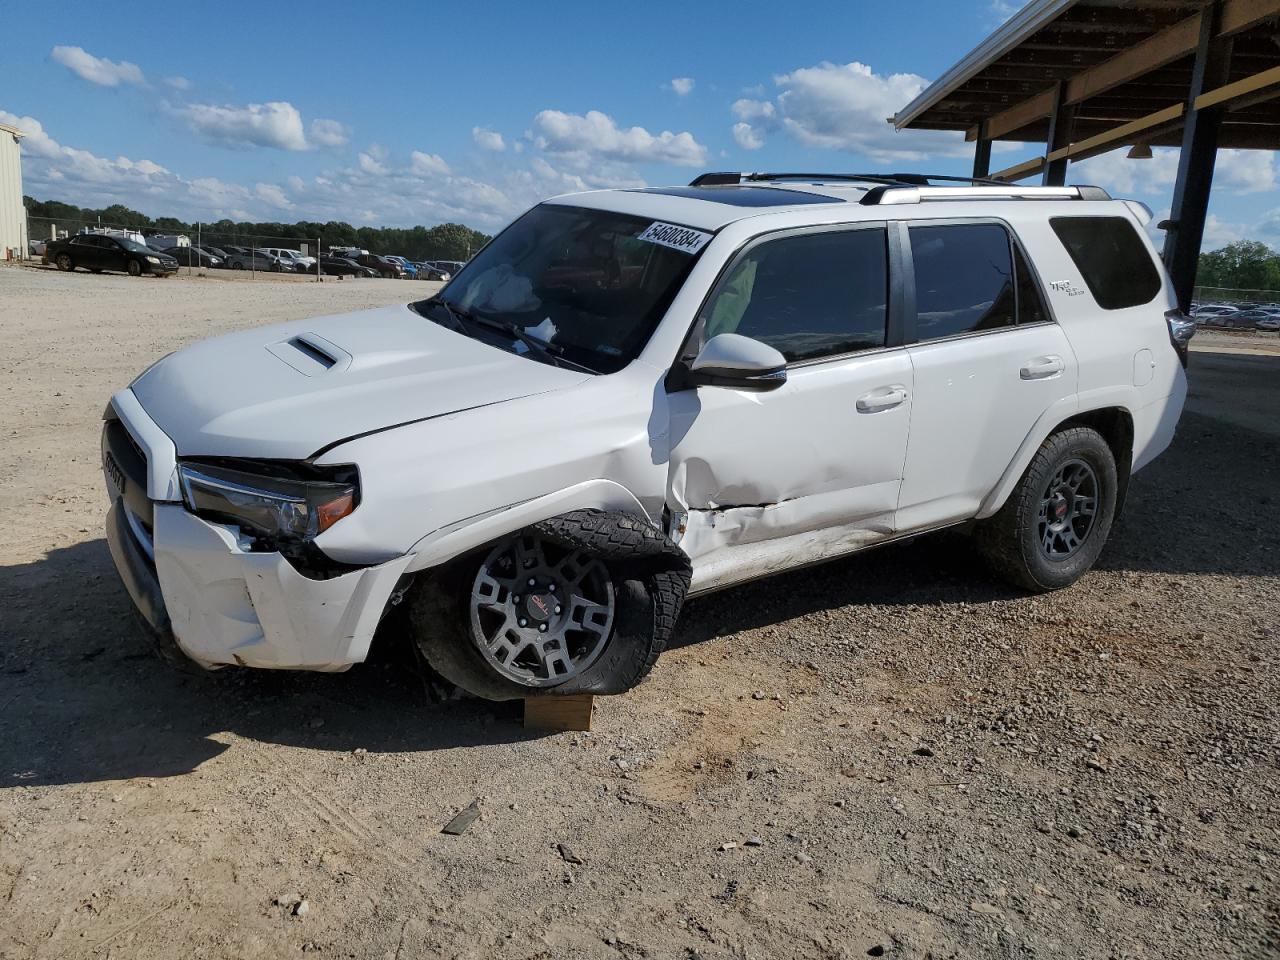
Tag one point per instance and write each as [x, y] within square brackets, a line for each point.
[551, 352]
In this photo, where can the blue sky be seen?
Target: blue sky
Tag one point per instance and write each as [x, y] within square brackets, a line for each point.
[394, 114]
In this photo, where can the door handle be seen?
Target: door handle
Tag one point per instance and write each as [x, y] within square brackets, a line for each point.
[1041, 368]
[886, 398]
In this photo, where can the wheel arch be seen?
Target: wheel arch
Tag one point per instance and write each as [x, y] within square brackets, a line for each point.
[1114, 421]
[455, 539]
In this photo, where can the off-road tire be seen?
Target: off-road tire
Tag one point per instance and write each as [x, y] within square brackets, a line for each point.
[650, 577]
[1009, 540]
[64, 262]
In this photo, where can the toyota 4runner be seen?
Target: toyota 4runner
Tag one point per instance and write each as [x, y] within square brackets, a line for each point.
[630, 396]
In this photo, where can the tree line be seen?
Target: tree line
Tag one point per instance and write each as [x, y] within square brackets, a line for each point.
[446, 241]
[1242, 265]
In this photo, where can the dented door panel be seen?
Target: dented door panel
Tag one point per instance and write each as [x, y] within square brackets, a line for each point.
[748, 468]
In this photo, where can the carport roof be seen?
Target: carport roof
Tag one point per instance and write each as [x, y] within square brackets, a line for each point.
[1124, 65]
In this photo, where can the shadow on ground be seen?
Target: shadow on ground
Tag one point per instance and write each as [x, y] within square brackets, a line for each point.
[83, 699]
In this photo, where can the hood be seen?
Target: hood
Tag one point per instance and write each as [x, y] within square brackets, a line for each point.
[287, 391]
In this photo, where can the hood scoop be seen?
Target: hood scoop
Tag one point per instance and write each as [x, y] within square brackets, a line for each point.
[310, 354]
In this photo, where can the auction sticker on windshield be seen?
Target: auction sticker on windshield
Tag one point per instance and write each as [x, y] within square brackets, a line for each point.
[677, 238]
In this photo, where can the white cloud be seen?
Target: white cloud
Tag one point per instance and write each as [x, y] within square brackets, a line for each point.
[747, 136]
[682, 86]
[488, 139]
[1121, 176]
[329, 133]
[276, 124]
[595, 136]
[371, 161]
[105, 73]
[844, 107]
[1218, 232]
[1235, 171]
[427, 164]
[51, 162]
[273, 195]
[178, 83]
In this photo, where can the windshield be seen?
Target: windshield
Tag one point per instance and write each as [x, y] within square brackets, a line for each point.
[133, 245]
[583, 281]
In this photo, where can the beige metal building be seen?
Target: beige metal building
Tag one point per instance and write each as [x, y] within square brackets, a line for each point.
[13, 218]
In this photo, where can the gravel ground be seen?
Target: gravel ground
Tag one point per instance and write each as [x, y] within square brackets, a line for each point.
[891, 755]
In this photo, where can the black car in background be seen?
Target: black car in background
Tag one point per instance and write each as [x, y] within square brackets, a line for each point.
[194, 257]
[344, 267]
[98, 252]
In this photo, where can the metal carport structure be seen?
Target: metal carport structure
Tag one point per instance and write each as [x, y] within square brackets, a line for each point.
[1085, 77]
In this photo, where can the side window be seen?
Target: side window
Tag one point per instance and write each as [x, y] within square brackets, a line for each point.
[808, 296]
[1031, 308]
[1111, 257]
[964, 279]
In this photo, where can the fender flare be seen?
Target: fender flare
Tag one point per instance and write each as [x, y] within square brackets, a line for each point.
[1057, 414]
[452, 540]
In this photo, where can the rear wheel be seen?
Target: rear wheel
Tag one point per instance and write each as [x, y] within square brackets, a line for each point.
[64, 262]
[237, 265]
[1054, 525]
[583, 603]
[134, 268]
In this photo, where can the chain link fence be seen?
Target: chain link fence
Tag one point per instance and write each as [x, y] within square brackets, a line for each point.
[1235, 296]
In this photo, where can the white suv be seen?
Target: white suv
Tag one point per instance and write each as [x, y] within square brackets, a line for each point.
[633, 395]
[295, 258]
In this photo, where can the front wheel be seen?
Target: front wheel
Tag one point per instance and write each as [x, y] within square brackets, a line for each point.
[1055, 523]
[135, 268]
[582, 603]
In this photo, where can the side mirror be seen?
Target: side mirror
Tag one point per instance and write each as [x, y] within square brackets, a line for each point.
[738, 362]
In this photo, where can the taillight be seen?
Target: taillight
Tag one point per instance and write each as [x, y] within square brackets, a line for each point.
[1181, 329]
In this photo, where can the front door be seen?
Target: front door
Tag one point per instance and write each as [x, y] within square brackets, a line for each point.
[759, 481]
[988, 362]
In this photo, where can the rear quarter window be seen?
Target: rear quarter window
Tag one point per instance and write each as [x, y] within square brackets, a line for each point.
[1115, 264]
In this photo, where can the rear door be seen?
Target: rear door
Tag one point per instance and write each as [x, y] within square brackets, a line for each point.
[987, 359]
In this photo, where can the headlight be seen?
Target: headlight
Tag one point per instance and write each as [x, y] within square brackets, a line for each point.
[273, 506]
[153, 259]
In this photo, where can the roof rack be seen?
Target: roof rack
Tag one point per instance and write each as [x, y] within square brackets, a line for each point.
[895, 188]
[902, 179]
[886, 194]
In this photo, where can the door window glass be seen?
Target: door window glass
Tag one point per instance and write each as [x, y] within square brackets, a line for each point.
[809, 296]
[964, 279]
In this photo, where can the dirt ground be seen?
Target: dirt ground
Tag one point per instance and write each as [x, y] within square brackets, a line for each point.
[891, 755]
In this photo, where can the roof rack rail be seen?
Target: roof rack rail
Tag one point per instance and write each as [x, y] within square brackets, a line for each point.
[885, 194]
[901, 179]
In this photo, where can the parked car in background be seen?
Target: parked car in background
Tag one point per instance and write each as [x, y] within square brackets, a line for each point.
[1268, 323]
[193, 257]
[429, 271]
[408, 266]
[166, 241]
[301, 264]
[344, 267]
[450, 267]
[381, 265]
[1254, 317]
[240, 258]
[97, 252]
[1209, 311]
[217, 252]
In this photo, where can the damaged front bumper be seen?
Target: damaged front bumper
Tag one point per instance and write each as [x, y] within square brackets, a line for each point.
[222, 602]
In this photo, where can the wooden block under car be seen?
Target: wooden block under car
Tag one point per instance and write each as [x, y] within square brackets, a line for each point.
[559, 713]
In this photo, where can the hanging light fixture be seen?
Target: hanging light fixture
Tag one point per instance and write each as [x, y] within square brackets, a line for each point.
[1139, 151]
